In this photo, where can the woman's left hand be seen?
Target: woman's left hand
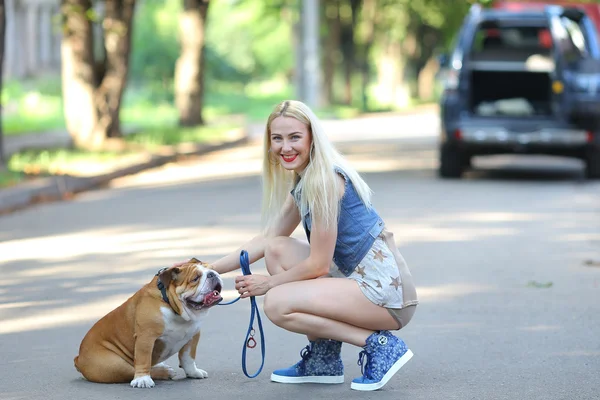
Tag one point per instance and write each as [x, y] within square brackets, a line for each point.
[252, 285]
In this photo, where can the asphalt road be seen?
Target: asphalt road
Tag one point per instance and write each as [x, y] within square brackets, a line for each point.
[506, 262]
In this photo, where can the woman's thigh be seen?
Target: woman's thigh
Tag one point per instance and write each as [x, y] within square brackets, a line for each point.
[338, 299]
[283, 252]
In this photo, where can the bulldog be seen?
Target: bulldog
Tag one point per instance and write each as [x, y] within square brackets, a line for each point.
[130, 343]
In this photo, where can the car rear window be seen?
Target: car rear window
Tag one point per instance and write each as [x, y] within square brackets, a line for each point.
[535, 39]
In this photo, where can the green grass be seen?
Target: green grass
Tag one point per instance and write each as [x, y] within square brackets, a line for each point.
[31, 109]
[155, 137]
[31, 106]
[61, 161]
[10, 178]
[36, 106]
[85, 162]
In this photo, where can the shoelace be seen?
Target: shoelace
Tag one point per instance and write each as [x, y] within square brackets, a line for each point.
[305, 354]
[365, 367]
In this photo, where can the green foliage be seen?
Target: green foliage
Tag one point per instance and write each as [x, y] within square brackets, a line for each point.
[10, 178]
[249, 58]
[31, 106]
[83, 162]
[245, 40]
[156, 137]
[59, 161]
[155, 47]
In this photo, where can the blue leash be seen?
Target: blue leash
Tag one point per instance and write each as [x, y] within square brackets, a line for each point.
[250, 342]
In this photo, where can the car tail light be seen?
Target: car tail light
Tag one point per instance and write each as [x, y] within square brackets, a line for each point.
[458, 134]
[590, 136]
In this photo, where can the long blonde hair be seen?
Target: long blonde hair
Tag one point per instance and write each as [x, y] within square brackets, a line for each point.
[318, 189]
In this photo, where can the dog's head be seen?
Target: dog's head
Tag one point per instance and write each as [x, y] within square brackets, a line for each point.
[195, 286]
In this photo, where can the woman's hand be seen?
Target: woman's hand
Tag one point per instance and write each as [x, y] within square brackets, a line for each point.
[252, 285]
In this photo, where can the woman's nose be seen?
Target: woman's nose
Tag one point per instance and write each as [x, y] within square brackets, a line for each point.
[286, 145]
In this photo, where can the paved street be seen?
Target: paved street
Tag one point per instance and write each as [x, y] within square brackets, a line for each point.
[506, 262]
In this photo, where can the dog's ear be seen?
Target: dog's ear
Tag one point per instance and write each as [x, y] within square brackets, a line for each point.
[169, 275]
[195, 260]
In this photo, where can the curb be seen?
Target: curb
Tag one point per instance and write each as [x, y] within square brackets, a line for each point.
[63, 187]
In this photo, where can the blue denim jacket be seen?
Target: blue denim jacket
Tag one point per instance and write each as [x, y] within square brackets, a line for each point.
[358, 227]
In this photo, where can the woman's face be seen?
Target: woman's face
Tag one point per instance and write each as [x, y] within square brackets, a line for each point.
[290, 143]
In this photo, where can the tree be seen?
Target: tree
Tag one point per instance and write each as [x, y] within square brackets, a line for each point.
[2, 38]
[431, 21]
[189, 70]
[93, 83]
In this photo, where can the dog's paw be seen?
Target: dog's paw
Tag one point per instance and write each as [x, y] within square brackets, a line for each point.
[142, 382]
[196, 373]
[162, 372]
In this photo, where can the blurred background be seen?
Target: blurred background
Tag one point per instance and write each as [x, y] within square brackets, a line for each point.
[99, 69]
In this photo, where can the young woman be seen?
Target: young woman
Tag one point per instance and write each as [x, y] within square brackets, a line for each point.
[366, 290]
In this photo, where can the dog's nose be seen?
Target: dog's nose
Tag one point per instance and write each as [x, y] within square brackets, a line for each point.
[211, 274]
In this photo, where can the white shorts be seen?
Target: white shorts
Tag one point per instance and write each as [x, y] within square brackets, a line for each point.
[377, 275]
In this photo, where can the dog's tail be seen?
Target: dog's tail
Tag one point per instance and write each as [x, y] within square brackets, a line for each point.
[75, 362]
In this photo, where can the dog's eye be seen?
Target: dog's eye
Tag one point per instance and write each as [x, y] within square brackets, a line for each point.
[196, 279]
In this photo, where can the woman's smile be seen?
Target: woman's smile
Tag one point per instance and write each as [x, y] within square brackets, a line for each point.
[288, 158]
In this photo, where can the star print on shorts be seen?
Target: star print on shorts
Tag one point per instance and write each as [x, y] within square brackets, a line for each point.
[378, 255]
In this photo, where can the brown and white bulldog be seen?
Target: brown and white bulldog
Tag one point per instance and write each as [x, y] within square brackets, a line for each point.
[130, 343]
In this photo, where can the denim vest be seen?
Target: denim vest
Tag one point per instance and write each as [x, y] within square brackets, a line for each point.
[358, 227]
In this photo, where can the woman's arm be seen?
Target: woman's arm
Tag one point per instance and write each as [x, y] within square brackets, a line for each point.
[285, 224]
[322, 247]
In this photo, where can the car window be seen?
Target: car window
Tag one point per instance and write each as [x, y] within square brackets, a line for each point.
[532, 38]
[572, 44]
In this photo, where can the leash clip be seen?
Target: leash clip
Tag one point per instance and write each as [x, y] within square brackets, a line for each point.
[251, 342]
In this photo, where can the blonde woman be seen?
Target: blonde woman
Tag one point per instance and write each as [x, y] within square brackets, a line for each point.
[367, 288]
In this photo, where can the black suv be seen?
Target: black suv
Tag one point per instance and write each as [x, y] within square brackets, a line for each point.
[522, 82]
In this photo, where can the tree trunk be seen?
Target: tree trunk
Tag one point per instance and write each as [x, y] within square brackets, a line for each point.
[118, 26]
[2, 38]
[391, 70]
[427, 64]
[189, 70]
[370, 19]
[332, 45]
[93, 89]
[426, 79]
[349, 49]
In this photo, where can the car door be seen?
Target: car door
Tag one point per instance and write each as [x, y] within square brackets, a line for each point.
[576, 80]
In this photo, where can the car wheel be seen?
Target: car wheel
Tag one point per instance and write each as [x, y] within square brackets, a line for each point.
[452, 161]
[592, 163]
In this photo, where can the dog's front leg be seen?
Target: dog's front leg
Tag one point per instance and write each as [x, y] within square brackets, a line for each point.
[187, 359]
[142, 359]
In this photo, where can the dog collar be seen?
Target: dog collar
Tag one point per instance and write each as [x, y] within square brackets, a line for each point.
[161, 287]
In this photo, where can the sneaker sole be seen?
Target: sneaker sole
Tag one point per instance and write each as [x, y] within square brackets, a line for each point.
[378, 385]
[307, 379]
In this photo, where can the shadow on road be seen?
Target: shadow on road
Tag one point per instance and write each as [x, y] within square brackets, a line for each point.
[473, 245]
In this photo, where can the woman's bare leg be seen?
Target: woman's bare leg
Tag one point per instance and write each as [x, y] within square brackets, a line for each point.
[283, 252]
[332, 308]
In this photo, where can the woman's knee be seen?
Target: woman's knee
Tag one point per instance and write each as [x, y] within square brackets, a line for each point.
[274, 251]
[274, 305]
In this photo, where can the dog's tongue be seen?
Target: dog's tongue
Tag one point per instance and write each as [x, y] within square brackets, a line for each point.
[212, 298]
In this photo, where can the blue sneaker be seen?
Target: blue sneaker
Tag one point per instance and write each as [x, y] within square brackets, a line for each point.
[321, 363]
[385, 354]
